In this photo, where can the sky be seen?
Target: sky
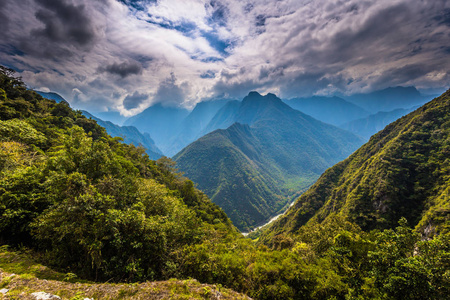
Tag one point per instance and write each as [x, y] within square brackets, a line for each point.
[125, 55]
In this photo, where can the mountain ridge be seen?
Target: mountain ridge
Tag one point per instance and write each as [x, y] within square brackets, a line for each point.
[400, 172]
[292, 150]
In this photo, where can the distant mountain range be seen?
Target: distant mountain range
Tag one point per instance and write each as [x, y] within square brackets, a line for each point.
[401, 172]
[174, 128]
[53, 96]
[368, 126]
[331, 110]
[252, 168]
[161, 122]
[130, 135]
[389, 99]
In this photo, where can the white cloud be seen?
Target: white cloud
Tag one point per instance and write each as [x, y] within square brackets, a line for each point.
[289, 47]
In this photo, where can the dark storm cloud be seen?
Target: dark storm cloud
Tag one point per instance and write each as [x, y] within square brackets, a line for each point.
[295, 48]
[123, 69]
[66, 30]
[64, 22]
[267, 72]
[169, 92]
[4, 21]
[134, 100]
[398, 76]
[236, 89]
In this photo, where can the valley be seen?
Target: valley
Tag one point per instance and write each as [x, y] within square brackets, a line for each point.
[224, 149]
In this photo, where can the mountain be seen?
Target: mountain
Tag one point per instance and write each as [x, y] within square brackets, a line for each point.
[331, 110]
[368, 126]
[194, 124]
[112, 116]
[92, 205]
[161, 122]
[53, 96]
[130, 135]
[389, 99]
[121, 226]
[403, 171]
[253, 168]
[224, 117]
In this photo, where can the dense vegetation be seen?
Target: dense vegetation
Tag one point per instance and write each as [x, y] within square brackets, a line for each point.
[87, 204]
[130, 135]
[91, 203]
[403, 171]
[272, 152]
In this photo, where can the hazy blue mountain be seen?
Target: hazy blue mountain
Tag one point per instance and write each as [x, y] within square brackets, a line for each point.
[53, 96]
[130, 135]
[368, 126]
[331, 110]
[389, 99]
[224, 118]
[193, 125]
[161, 122]
[112, 116]
[254, 167]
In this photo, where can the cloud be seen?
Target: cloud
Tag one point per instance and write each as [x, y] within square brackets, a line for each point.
[64, 22]
[169, 93]
[104, 54]
[134, 100]
[123, 69]
[208, 74]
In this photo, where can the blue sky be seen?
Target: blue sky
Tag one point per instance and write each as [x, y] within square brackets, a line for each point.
[126, 55]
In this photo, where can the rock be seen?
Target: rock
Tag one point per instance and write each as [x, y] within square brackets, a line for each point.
[4, 291]
[44, 296]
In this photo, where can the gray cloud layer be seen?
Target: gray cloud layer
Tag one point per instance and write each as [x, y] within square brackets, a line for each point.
[125, 55]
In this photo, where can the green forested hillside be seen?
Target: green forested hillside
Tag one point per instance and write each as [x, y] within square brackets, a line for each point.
[403, 171]
[130, 135]
[93, 204]
[230, 166]
[270, 154]
[96, 209]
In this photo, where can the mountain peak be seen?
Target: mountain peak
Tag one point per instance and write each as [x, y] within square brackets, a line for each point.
[254, 97]
[253, 94]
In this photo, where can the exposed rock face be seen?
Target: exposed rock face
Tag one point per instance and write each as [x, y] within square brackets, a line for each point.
[44, 296]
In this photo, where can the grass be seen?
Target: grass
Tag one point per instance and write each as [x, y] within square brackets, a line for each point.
[22, 275]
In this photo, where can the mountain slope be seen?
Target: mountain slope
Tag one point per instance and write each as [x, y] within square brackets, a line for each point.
[228, 166]
[389, 99]
[224, 117]
[331, 110]
[162, 123]
[130, 135]
[368, 126]
[193, 125]
[53, 96]
[403, 171]
[91, 204]
[253, 168]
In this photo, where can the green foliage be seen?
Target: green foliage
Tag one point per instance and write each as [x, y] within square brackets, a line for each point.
[403, 171]
[93, 205]
[98, 209]
[271, 153]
